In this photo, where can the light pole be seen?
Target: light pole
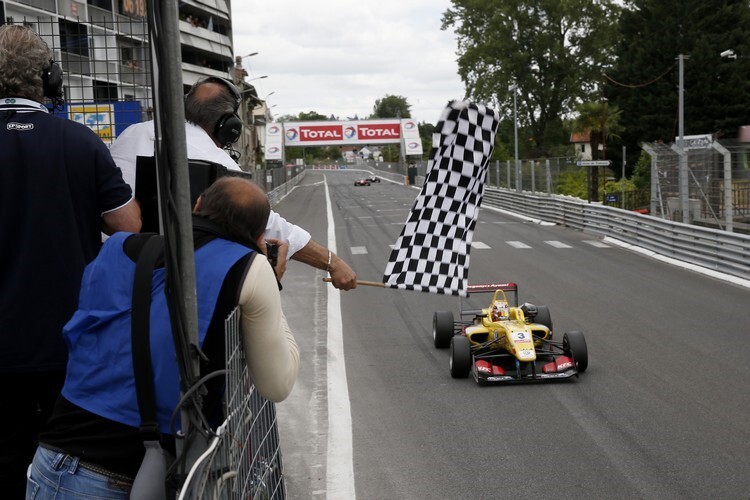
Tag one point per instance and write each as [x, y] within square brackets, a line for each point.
[515, 139]
[682, 171]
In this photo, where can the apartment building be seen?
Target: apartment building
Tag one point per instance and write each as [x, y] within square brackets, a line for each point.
[103, 48]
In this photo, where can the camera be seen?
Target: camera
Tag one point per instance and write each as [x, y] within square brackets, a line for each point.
[272, 253]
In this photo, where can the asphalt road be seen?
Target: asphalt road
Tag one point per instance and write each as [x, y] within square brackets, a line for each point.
[661, 413]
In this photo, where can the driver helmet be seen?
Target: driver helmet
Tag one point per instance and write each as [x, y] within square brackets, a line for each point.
[500, 310]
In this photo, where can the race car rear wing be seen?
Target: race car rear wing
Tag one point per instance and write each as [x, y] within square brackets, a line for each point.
[491, 287]
[488, 288]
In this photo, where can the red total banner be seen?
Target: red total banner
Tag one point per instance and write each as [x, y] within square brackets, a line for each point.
[338, 133]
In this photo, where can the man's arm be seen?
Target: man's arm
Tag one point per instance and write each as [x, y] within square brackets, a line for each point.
[316, 255]
[125, 218]
[270, 349]
[279, 228]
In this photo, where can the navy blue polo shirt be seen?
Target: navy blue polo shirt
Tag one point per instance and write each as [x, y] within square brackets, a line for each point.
[57, 178]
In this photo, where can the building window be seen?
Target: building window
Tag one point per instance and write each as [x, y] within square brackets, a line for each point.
[102, 4]
[104, 91]
[74, 38]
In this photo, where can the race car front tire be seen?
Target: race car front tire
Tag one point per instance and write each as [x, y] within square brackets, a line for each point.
[442, 329]
[574, 345]
[460, 359]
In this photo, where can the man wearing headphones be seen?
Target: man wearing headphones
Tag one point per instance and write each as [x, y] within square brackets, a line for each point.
[59, 188]
[212, 124]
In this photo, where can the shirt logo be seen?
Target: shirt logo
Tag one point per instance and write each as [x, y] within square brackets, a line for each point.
[20, 126]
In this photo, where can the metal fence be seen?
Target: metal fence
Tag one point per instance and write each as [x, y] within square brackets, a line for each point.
[717, 250]
[243, 460]
[105, 59]
[717, 182]
[535, 176]
[107, 75]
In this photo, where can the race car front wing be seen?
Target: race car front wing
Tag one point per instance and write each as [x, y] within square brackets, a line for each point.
[498, 368]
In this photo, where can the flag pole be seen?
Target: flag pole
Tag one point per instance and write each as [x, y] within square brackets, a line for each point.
[365, 283]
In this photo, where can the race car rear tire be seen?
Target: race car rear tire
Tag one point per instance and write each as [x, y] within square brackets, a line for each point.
[543, 317]
[460, 360]
[574, 345]
[442, 329]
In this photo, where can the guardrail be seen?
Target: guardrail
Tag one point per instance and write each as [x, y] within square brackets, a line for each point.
[721, 251]
[276, 195]
[713, 249]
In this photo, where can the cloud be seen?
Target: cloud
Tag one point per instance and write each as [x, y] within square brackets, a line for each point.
[337, 58]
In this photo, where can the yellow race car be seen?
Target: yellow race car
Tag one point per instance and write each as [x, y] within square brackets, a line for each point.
[505, 342]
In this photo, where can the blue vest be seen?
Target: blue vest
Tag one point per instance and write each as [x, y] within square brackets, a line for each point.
[100, 363]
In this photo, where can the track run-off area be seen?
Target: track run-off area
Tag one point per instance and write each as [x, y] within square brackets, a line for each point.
[661, 412]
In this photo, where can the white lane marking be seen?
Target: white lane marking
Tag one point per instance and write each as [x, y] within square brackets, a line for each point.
[479, 245]
[597, 243]
[339, 461]
[558, 244]
[358, 250]
[517, 244]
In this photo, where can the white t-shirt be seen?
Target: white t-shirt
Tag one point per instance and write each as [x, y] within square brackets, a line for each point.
[138, 140]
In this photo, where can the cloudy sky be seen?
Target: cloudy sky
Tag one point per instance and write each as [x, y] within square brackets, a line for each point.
[337, 57]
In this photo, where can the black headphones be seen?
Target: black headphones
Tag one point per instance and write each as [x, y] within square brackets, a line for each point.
[229, 126]
[52, 83]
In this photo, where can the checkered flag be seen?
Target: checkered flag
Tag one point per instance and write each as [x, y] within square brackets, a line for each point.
[432, 253]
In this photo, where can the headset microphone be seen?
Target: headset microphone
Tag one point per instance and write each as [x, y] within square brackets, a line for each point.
[233, 153]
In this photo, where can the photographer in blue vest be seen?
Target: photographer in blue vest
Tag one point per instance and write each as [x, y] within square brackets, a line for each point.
[92, 444]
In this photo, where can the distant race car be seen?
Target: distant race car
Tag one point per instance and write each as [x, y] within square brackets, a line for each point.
[373, 179]
[506, 342]
[362, 182]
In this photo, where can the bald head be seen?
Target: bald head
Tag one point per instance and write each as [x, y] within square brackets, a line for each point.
[207, 102]
[238, 206]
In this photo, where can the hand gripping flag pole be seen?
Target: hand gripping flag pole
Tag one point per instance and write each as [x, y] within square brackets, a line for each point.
[432, 252]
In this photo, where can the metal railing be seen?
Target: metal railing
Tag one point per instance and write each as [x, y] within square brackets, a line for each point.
[243, 460]
[714, 249]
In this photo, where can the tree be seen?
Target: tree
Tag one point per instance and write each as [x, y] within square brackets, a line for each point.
[642, 171]
[311, 116]
[425, 134]
[599, 120]
[644, 81]
[391, 106]
[552, 50]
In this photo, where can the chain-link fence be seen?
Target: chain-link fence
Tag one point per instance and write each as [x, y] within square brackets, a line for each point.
[105, 60]
[107, 75]
[716, 183]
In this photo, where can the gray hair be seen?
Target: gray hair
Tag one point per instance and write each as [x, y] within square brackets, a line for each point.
[205, 109]
[23, 57]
